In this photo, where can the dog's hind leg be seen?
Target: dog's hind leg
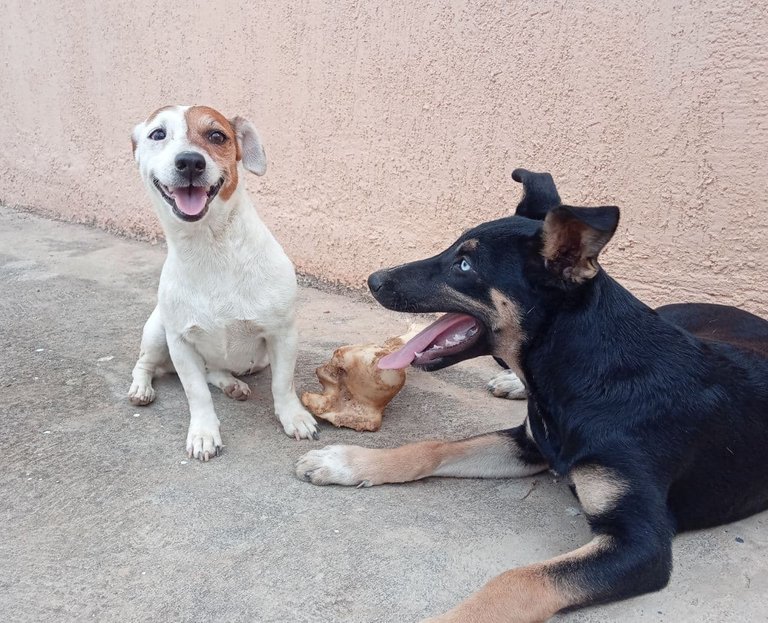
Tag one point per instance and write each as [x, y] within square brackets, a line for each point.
[154, 359]
[503, 454]
[231, 386]
[630, 554]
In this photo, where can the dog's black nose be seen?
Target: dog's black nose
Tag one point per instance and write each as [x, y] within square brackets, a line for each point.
[376, 280]
[190, 164]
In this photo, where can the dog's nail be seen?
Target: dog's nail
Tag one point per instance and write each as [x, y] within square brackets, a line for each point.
[297, 436]
[315, 435]
[218, 450]
[308, 475]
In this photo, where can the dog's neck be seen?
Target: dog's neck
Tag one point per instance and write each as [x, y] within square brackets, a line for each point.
[591, 339]
[578, 346]
[586, 356]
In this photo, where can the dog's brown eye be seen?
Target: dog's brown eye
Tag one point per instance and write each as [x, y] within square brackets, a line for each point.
[216, 137]
[157, 135]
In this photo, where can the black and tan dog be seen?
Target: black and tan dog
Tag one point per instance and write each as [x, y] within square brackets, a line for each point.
[662, 427]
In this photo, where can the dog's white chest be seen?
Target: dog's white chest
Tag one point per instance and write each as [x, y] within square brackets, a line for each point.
[237, 345]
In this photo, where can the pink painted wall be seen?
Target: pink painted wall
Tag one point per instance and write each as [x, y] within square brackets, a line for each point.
[390, 127]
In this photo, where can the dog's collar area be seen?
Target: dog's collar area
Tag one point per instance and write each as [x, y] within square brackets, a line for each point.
[168, 195]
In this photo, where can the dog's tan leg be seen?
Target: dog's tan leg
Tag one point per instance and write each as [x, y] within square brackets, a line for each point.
[503, 454]
[629, 555]
[527, 595]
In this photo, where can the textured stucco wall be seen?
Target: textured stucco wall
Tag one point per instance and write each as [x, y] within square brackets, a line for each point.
[390, 127]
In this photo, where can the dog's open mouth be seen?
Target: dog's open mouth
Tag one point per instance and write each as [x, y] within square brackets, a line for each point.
[448, 336]
[190, 203]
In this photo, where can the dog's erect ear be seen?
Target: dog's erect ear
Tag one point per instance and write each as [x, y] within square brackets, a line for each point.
[539, 194]
[573, 238]
[249, 147]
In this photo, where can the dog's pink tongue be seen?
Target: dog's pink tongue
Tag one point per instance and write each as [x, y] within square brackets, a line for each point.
[190, 199]
[403, 357]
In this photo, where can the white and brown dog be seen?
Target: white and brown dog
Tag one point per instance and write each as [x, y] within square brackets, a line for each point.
[225, 304]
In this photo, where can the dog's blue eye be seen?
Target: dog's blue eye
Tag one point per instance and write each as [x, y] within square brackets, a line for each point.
[465, 265]
[157, 135]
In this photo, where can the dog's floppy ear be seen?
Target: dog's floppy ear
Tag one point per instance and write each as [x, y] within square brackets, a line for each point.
[539, 194]
[249, 147]
[573, 238]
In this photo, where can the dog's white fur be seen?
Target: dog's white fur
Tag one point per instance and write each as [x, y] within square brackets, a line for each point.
[507, 384]
[227, 291]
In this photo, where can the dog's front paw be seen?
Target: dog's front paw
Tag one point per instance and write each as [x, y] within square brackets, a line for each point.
[329, 466]
[298, 423]
[204, 441]
[507, 385]
[141, 393]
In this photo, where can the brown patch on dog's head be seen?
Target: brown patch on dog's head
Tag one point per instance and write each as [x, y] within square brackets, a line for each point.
[573, 238]
[469, 245]
[205, 127]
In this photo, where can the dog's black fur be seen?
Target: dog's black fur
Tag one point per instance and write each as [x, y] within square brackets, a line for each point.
[672, 402]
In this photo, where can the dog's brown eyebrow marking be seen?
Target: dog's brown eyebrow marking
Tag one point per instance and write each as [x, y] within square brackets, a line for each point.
[469, 245]
[217, 125]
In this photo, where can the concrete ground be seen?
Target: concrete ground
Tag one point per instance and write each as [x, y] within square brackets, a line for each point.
[104, 518]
